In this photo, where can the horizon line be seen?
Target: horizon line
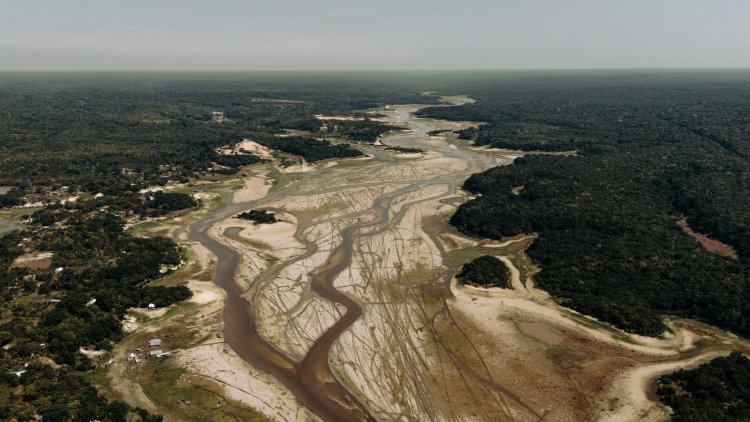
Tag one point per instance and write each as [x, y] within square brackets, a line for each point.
[385, 70]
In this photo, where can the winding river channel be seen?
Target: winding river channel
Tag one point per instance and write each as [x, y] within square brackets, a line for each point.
[361, 321]
[311, 379]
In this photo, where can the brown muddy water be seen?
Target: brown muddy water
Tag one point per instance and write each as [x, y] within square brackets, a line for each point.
[311, 379]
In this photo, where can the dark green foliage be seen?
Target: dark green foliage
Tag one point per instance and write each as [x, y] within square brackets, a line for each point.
[360, 130]
[117, 132]
[163, 296]
[258, 216]
[161, 203]
[63, 395]
[106, 271]
[650, 149]
[485, 271]
[101, 262]
[236, 160]
[12, 198]
[9, 248]
[717, 391]
[310, 149]
[403, 149]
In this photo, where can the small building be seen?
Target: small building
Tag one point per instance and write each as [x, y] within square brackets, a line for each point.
[131, 356]
[151, 306]
[155, 353]
[154, 342]
[218, 116]
[59, 270]
[91, 302]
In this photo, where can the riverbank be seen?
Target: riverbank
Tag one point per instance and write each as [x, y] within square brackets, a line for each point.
[347, 307]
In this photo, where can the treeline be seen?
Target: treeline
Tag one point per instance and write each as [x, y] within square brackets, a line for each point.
[162, 203]
[114, 135]
[98, 271]
[485, 271]
[114, 132]
[716, 391]
[13, 197]
[258, 216]
[150, 204]
[60, 394]
[367, 131]
[94, 259]
[311, 150]
[651, 149]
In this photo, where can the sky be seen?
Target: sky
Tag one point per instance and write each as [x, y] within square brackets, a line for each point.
[373, 34]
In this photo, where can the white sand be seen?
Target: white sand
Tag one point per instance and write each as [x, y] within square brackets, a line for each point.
[255, 187]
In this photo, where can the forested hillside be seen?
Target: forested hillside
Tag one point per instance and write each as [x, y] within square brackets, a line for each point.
[650, 150]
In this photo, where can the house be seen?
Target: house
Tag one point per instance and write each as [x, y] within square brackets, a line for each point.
[218, 116]
[154, 342]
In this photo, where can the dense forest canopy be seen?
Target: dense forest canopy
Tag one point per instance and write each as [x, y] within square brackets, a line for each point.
[717, 391]
[651, 148]
[485, 271]
[114, 132]
[108, 140]
[258, 216]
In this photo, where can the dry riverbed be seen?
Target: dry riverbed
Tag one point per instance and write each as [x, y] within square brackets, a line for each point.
[353, 290]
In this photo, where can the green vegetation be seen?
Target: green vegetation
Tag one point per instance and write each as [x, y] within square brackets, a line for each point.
[53, 312]
[60, 395]
[403, 149]
[485, 271]
[311, 150]
[258, 216]
[120, 132]
[651, 148]
[162, 203]
[367, 131]
[104, 138]
[713, 392]
[164, 381]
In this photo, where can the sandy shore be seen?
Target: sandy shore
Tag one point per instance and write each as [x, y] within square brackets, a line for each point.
[423, 348]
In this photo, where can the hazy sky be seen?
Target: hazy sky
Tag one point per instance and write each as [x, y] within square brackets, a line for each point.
[374, 34]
